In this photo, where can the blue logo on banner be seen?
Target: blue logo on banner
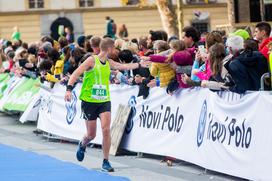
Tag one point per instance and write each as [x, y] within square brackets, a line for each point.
[38, 103]
[202, 124]
[132, 103]
[71, 108]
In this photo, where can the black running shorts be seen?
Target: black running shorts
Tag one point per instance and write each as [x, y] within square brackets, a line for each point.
[91, 111]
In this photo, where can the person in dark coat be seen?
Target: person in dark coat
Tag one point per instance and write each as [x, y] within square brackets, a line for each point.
[246, 70]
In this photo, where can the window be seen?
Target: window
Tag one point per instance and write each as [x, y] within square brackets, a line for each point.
[201, 26]
[200, 1]
[86, 3]
[268, 13]
[34, 4]
[133, 2]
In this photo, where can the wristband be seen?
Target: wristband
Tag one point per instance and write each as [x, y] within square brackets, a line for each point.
[69, 87]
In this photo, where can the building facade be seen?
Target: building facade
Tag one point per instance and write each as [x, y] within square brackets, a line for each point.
[35, 18]
[250, 11]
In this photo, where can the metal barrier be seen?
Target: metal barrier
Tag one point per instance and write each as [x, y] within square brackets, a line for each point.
[265, 75]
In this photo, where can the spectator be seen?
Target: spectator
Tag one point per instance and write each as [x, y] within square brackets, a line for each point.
[179, 56]
[160, 70]
[218, 79]
[133, 47]
[123, 32]
[47, 39]
[109, 28]
[245, 67]
[81, 41]
[63, 42]
[114, 28]
[251, 44]
[57, 67]
[118, 43]
[152, 37]
[261, 34]
[190, 36]
[16, 35]
[203, 72]
[95, 42]
[142, 46]
[242, 33]
[69, 35]
[87, 44]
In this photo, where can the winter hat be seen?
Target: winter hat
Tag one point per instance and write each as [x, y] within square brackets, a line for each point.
[242, 33]
[183, 56]
[81, 40]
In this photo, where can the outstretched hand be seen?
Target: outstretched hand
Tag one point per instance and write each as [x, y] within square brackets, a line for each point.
[68, 96]
[145, 58]
[185, 78]
[145, 64]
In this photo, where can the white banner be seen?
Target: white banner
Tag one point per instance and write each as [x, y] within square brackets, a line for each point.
[200, 127]
[229, 133]
[32, 111]
[12, 84]
[65, 119]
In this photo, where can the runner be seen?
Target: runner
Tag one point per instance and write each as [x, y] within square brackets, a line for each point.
[95, 96]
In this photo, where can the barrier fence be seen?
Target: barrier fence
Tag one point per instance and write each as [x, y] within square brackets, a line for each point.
[224, 132]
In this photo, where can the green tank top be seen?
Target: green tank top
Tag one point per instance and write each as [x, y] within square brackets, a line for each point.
[95, 87]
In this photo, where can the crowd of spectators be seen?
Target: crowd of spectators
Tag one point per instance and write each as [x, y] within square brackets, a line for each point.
[213, 60]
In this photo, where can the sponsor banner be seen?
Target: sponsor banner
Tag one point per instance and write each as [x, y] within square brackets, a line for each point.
[13, 82]
[21, 96]
[224, 132]
[32, 111]
[4, 78]
[229, 135]
[65, 118]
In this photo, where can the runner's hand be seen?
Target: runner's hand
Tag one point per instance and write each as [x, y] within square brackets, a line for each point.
[145, 58]
[145, 64]
[68, 96]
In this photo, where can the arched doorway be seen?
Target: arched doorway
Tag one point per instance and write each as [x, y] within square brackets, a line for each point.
[66, 23]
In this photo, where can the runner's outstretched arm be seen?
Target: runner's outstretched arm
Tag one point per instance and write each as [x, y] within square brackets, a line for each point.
[86, 65]
[128, 66]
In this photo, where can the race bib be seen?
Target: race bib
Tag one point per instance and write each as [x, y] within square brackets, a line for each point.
[99, 92]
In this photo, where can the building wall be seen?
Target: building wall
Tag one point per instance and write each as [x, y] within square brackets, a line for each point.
[62, 4]
[218, 14]
[12, 5]
[138, 21]
[113, 3]
[92, 20]
[29, 26]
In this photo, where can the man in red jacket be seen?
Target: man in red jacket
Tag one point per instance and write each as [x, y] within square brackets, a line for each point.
[262, 33]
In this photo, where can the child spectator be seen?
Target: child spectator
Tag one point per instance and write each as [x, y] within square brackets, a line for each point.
[162, 71]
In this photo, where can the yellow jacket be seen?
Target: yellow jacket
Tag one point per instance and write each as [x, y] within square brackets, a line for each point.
[57, 70]
[164, 71]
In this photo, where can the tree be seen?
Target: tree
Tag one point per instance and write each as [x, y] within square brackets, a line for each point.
[231, 15]
[180, 16]
[262, 10]
[168, 16]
